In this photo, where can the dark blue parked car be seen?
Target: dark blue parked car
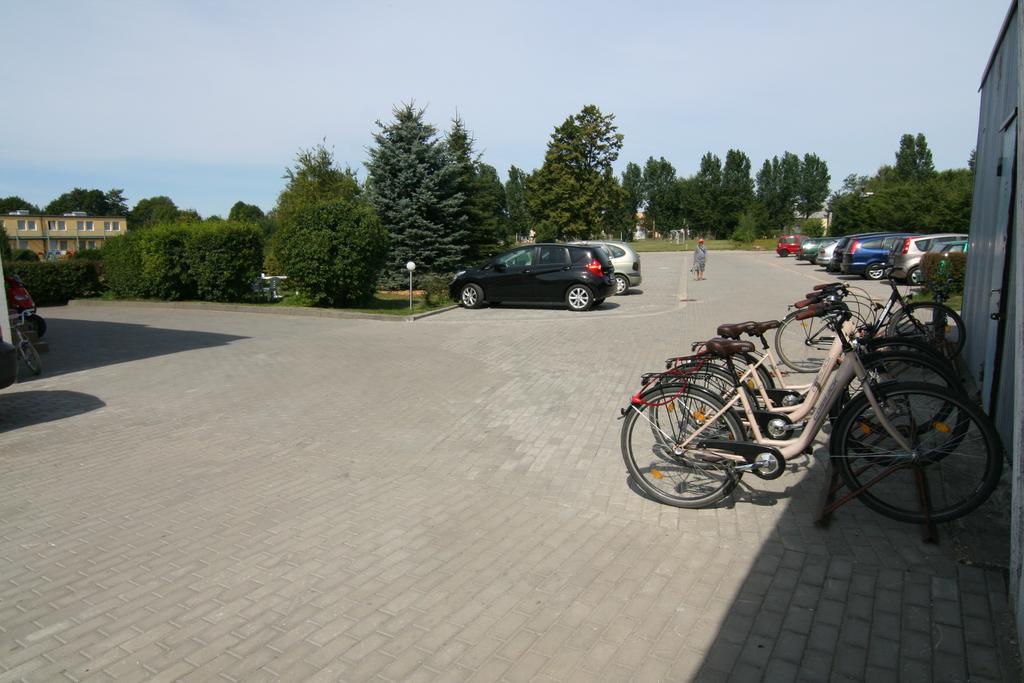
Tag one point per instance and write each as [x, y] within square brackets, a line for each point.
[867, 256]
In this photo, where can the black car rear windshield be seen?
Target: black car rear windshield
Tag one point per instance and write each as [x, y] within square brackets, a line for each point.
[581, 256]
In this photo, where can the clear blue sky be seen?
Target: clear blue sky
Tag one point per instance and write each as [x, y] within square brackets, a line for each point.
[208, 102]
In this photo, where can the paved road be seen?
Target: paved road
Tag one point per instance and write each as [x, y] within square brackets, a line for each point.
[226, 496]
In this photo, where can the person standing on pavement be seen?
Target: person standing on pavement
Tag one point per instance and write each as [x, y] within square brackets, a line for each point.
[700, 258]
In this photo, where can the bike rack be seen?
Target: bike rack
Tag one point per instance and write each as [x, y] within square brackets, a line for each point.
[829, 504]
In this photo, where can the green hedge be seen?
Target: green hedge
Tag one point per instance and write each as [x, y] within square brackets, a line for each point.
[224, 259]
[955, 271]
[208, 261]
[55, 282]
[122, 265]
[164, 263]
[333, 252]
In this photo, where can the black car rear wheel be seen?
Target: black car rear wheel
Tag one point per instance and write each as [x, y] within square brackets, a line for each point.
[472, 296]
[579, 298]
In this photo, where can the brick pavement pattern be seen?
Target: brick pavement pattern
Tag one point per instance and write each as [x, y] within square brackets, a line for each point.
[217, 496]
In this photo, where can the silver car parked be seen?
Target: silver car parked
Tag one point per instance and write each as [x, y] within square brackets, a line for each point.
[825, 249]
[907, 253]
[625, 260]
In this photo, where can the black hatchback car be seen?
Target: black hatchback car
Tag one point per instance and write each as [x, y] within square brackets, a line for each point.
[580, 275]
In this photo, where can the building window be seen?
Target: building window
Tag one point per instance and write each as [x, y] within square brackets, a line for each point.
[85, 226]
[111, 226]
[56, 225]
[90, 244]
[26, 225]
[62, 245]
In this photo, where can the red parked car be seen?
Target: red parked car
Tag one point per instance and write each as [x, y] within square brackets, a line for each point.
[789, 245]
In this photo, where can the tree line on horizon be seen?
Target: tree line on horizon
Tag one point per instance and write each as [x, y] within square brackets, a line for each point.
[440, 205]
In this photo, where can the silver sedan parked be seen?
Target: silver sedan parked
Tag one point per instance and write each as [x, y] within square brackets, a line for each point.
[625, 260]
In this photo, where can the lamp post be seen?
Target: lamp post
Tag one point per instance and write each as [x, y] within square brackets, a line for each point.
[410, 266]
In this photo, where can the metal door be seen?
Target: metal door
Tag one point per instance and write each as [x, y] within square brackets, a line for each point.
[997, 274]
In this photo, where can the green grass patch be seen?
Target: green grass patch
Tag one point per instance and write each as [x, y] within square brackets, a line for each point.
[396, 303]
[642, 246]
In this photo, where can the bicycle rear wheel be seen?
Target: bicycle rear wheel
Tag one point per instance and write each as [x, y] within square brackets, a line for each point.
[651, 433]
[803, 345]
[940, 325]
[954, 462]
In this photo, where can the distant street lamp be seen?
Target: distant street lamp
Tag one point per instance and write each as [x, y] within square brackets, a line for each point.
[410, 266]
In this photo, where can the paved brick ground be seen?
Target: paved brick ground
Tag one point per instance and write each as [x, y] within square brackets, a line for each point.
[204, 495]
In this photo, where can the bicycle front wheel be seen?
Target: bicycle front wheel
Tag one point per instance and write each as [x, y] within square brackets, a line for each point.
[651, 434]
[30, 357]
[940, 325]
[803, 345]
[953, 464]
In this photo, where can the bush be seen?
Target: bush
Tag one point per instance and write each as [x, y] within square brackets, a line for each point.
[164, 263]
[25, 255]
[811, 227]
[435, 289]
[87, 255]
[333, 252]
[224, 258]
[215, 261]
[955, 271]
[122, 265]
[747, 229]
[5, 248]
[56, 282]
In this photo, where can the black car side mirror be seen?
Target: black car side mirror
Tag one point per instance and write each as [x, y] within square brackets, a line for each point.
[500, 267]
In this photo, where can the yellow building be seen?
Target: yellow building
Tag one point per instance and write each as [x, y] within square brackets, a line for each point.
[56, 236]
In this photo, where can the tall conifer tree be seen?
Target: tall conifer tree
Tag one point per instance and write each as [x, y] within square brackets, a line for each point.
[415, 188]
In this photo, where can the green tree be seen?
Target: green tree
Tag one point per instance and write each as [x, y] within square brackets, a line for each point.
[569, 195]
[482, 204]
[618, 217]
[937, 204]
[188, 216]
[333, 252]
[778, 184]
[913, 159]
[414, 187]
[315, 178]
[701, 195]
[515, 197]
[92, 202]
[635, 199]
[659, 189]
[153, 211]
[812, 187]
[246, 213]
[16, 203]
[737, 190]
[495, 203]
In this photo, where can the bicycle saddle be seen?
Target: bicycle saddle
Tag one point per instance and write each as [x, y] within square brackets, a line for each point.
[734, 330]
[728, 347]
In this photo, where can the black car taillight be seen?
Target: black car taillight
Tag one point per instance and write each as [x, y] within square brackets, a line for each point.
[595, 268]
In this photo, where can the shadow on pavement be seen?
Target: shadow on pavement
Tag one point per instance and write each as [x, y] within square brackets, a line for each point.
[864, 598]
[26, 408]
[84, 344]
